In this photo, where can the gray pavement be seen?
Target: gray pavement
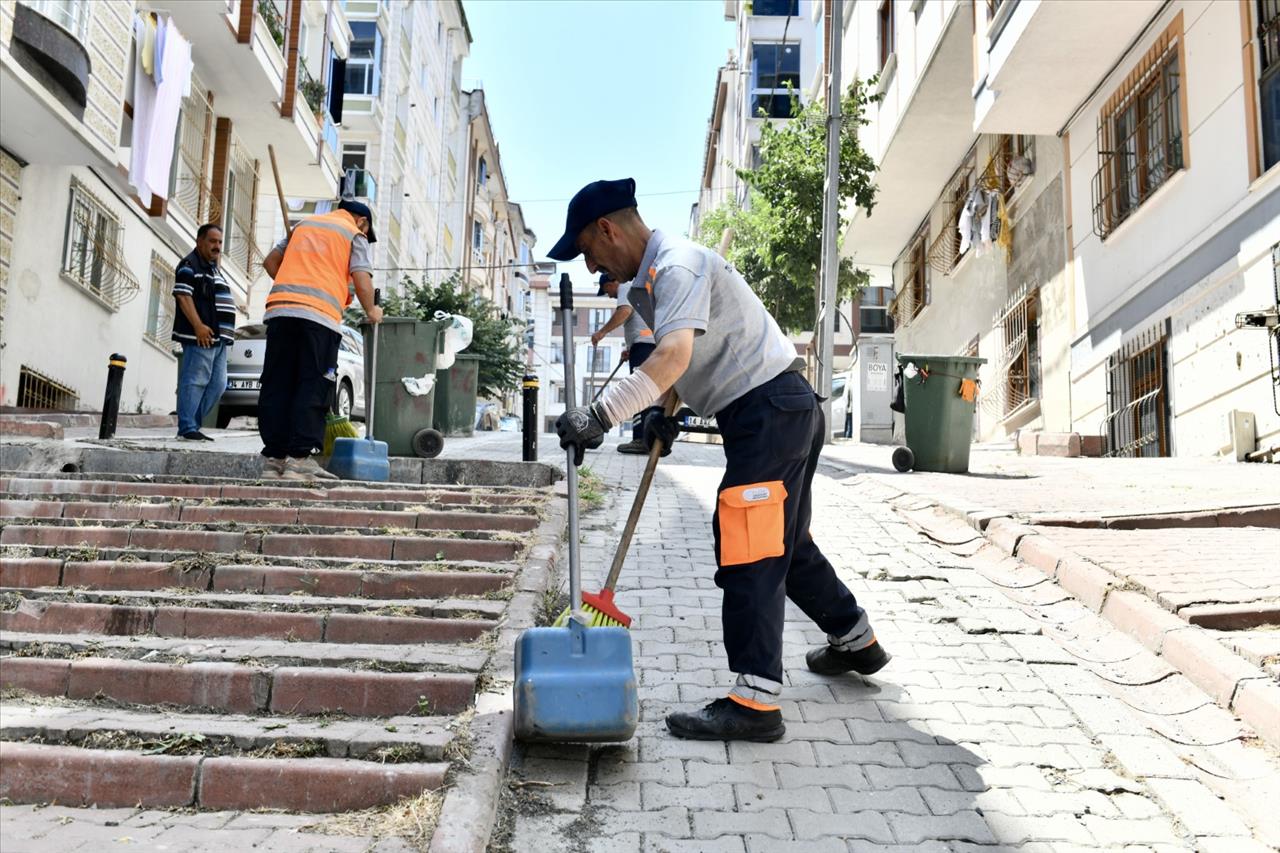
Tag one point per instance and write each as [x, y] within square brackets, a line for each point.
[1010, 718]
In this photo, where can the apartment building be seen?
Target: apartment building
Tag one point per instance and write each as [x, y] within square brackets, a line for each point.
[592, 365]
[86, 262]
[1039, 207]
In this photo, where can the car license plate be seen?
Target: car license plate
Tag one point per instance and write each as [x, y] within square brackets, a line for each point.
[244, 385]
[693, 423]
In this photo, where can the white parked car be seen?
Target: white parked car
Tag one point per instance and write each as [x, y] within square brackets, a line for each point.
[244, 374]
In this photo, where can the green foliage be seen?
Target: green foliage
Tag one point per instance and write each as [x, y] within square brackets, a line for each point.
[494, 339]
[777, 243]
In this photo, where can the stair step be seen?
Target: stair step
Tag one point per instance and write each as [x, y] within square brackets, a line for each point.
[242, 689]
[419, 657]
[36, 773]
[105, 574]
[314, 517]
[394, 740]
[374, 547]
[413, 621]
[190, 562]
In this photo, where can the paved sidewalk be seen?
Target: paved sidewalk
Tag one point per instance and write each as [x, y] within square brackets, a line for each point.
[1010, 717]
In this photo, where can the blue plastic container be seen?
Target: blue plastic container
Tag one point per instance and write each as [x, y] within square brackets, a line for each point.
[360, 459]
[575, 685]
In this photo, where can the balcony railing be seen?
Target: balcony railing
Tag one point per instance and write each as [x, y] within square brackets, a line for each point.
[359, 183]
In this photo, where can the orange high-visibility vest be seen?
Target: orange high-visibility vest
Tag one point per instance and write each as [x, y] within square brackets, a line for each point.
[314, 274]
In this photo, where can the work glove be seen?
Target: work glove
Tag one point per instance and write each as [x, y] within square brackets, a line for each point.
[583, 429]
[657, 425]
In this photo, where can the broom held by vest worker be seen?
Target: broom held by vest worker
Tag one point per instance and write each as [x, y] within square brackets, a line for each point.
[319, 267]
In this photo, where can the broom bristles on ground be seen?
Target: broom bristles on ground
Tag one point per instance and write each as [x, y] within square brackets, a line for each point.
[335, 427]
[598, 609]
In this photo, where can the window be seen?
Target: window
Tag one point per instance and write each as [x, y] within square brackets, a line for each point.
[557, 353]
[1018, 326]
[1140, 134]
[1015, 161]
[477, 235]
[599, 316]
[439, 32]
[364, 65]
[1137, 420]
[435, 110]
[424, 77]
[71, 15]
[160, 306]
[89, 256]
[775, 8]
[242, 190]
[1269, 79]
[914, 294]
[37, 391]
[888, 45]
[559, 391]
[873, 310]
[774, 68]
[482, 173]
[755, 157]
[600, 359]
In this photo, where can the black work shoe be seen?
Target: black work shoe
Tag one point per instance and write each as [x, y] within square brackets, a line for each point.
[725, 719]
[634, 447]
[195, 435]
[828, 660]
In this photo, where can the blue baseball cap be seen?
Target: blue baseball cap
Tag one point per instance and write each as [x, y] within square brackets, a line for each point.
[592, 202]
[356, 208]
[605, 278]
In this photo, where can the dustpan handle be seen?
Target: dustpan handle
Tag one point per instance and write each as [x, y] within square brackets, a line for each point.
[571, 477]
[371, 382]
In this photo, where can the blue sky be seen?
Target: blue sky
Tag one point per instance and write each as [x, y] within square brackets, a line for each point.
[585, 89]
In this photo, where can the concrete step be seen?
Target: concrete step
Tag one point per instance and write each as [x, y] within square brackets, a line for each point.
[124, 485]
[240, 688]
[422, 582]
[70, 723]
[379, 657]
[199, 561]
[369, 547]
[106, 778]
[261, 514]
[307, 619]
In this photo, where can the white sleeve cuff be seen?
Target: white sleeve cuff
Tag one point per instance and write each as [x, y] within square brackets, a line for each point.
[629, 396]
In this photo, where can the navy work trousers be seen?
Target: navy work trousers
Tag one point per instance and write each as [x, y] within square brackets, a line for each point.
[295, 387]
[765, 554]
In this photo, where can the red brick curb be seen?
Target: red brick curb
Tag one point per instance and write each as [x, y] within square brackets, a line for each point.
[10, 428]
[105, 778]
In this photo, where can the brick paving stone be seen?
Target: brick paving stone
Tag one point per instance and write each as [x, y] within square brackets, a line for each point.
[723, 844]
[868, 826]
[714, 796]
[761, 773]
[963, 825]
[765, 844]
[906, 800]
[1197, 808]
[1114, 831]
[754, 798]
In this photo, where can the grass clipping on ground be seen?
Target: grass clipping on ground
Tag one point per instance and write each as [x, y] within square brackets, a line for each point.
[413, 819]
[590, 490]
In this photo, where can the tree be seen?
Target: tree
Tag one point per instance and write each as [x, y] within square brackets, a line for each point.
[494, 337]
[777, 243]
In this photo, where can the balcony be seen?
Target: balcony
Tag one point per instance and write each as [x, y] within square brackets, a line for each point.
[919, 151]
[360, 184]
[1042, 58]
[247, 71]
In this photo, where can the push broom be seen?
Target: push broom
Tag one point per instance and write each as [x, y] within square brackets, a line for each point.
[335, 425]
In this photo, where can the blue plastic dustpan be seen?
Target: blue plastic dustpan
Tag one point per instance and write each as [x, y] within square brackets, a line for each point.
[575, 684]
[363, 458]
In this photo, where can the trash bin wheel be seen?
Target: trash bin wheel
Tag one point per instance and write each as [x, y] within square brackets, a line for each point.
[427, 443]
[903, 459]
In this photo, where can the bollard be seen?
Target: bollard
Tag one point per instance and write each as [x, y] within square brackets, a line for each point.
[530, 453]
[111, 403]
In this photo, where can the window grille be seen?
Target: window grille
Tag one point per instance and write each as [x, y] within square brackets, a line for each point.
[91, 255]
[944, 253]
[161, 307]
[37, 391]
[1017, 370]
[242, 190]
[1140, 134]
[1137, 419]
[192, 190]
[915, 293]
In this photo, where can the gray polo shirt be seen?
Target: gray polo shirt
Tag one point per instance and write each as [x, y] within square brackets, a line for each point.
[737, 344]
[633, 329]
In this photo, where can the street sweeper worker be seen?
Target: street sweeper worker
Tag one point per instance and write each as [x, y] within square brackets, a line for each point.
[639, 346]
[724, 355]
[311, 269]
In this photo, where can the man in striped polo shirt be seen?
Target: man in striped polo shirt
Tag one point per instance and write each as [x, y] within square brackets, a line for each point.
[204, 324]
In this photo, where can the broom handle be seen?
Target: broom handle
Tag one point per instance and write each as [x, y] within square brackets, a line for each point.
[371, 382]
[284, 208]
[600, 390]
[629, 529]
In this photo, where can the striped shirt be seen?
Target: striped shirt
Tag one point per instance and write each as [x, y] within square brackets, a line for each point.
[215, 306]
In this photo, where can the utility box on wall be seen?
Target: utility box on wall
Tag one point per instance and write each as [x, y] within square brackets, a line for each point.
[873, 390]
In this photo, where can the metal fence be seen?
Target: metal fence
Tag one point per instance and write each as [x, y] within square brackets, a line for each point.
[37, 391]
[1137, 419]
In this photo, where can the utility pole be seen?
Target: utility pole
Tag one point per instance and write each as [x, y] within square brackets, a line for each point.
[827, 306]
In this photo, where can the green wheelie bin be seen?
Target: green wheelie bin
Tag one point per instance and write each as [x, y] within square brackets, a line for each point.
[403, 412]
[455, 412]
[940, 396]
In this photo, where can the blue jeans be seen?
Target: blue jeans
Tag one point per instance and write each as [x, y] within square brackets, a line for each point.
[201, 380]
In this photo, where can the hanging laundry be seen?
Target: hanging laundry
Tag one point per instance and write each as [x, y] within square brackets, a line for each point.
[144, 101]
[968, 223]
[168, 105]
[1005, 237]
[148, 43]
[158, 72]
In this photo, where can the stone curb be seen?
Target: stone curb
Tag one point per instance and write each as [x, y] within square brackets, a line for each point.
[471, 803]
[1233, 682]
